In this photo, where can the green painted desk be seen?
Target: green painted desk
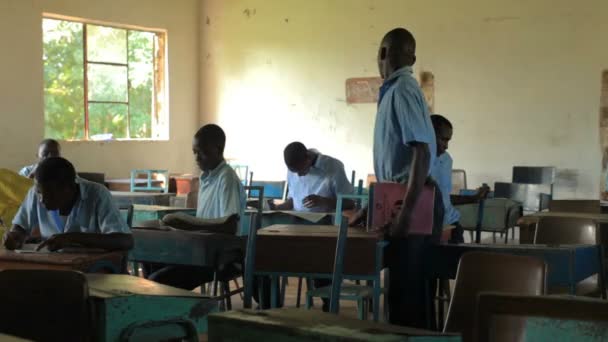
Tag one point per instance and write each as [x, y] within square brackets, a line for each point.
[145, 212]
[123, 198]
[125, 305]
[295, 325]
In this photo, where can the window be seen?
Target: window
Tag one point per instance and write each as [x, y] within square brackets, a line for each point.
[103, 82]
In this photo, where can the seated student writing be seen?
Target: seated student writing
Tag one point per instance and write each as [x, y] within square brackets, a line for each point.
[314, 181]
[442, 173]
[220, 195]
[69, 212]
[47, 148]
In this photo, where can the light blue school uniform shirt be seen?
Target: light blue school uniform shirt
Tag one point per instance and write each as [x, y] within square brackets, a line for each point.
[220, 193]
[326, 178]
[442, 173]
[26, 171]
[93, 212]
[403, 118]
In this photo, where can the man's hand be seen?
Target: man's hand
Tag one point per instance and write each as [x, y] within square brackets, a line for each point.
[315, 201]
[271, 204]
[56, 242]
[400, 226]
[13, 239]
[483, 192]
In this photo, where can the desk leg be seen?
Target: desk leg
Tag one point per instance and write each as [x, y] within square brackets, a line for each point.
[274, 296]
[377, 294]
[601, 277]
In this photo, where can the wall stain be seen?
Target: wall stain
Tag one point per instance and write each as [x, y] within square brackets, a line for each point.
[287, 20]
[249, 12]
[208, 21]
[500, 19]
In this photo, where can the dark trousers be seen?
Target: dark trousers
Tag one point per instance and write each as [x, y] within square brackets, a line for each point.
[409, 291]
[457, 234]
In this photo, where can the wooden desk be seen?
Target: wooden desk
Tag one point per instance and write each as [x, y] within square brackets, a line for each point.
[567, 264]
[150, 198]
[180, 247]
[124, 184]
[272, 217]
[143, 212]
[527, 224]
[297, 325]
[123, 302]
[309, 251]
[112, 262]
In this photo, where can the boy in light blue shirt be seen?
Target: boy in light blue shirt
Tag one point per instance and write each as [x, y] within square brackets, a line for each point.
[442, 173]
[69, 212]
[47, 148]
[314, 181]
[220, 195]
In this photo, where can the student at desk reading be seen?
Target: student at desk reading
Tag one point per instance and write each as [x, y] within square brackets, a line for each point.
[314, 181]
[220, 195]
[404, 149]
[46, 149]
[70, 212]
[442, 173]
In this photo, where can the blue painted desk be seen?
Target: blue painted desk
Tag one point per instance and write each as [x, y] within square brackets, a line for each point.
[567, 264]
[126, 306]
[309, 251]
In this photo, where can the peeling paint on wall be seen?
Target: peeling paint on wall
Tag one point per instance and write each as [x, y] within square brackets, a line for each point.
[363, 89]
[427, 83]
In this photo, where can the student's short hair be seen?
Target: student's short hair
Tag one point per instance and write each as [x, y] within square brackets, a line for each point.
[213, 135]
[50, 142]
[295, 153]
[400, 37]
[440, 121]
[55, 169]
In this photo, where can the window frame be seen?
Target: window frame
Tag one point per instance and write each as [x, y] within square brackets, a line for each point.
[160, 93]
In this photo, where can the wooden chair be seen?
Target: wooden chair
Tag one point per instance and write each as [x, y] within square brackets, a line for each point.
[479, 272]
[576, 206]
[547, 318]
[571, 231]
[45, 305]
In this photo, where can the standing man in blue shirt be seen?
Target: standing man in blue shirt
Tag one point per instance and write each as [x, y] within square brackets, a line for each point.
[442, 174]
[70, 212]
[404, 149]
[314, 180]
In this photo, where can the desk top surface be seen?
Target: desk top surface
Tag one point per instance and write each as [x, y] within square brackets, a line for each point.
[501, 247]
[300, 230]
[122, 285]
[329, 323]
[139, 194]
[532, 218]
[56, 258]
[146, 207]
[128, 181]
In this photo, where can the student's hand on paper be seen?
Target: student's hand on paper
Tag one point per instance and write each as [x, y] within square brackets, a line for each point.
[315, 201]
[55, 242]
[13, 240]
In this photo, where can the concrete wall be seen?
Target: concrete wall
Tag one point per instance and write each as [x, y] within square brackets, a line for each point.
[520, 80]
[21, 89]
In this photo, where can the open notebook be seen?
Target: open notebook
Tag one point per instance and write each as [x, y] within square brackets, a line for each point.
[386, 203]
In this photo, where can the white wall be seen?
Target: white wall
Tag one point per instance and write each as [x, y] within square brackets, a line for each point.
[21, 89]
[519, 79]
